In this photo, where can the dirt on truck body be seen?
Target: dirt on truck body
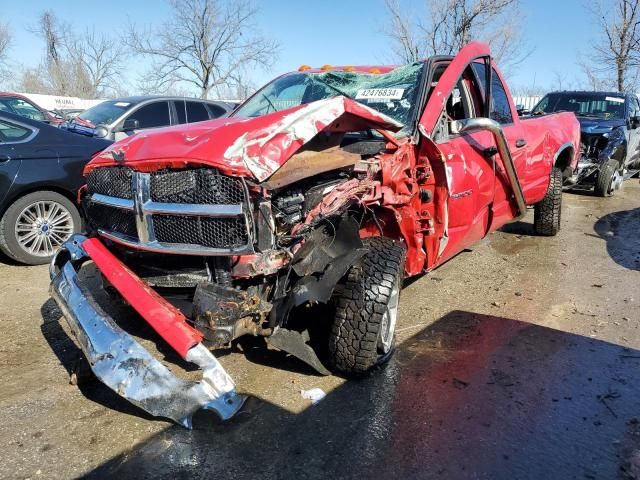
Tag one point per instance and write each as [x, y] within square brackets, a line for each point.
[327, 187]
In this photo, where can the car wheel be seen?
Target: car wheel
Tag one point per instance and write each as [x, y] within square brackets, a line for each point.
[35, 226]
[547, 213]
[366, 307]
[609, 179]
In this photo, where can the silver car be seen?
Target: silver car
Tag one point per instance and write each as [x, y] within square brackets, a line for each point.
[116, 119]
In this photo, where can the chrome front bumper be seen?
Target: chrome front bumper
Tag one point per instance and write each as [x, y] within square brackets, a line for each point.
[123, 364]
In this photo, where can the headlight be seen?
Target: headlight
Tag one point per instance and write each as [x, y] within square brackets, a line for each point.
[616, 134]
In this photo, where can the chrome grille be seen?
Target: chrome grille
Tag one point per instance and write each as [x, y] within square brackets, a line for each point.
[112, 181]
[185, 211]
[196, 186]
[206, 231]
[112, 218]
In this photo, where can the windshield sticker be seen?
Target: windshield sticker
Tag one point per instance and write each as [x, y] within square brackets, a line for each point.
[380, 94]
[122, 104]
[614, 99]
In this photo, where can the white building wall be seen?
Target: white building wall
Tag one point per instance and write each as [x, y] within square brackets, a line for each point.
[53, 102]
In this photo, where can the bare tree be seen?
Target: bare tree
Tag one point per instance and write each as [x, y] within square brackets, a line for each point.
[101, 59]
[84, 65]
[618, 48]
[593, 80]
[205, 44]
[5, 43]
[451, 24]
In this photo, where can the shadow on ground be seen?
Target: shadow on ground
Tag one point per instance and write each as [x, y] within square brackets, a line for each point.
[621, 231]
[472, 396]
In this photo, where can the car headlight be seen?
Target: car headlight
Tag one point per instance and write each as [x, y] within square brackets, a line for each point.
[616, 134]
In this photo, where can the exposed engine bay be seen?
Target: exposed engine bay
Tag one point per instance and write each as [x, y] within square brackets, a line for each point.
[268, 248]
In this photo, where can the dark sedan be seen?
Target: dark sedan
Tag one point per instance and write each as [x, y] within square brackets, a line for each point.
[40, 173]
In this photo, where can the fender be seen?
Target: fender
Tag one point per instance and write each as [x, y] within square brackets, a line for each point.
[559, 161]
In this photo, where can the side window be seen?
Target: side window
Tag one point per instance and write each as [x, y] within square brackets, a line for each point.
[152, 115]
[25, 109]
[500, 110]
[464, 102]
[541, 107]
[10, 132]
[196, 112]
[181, 110]
[216, 111]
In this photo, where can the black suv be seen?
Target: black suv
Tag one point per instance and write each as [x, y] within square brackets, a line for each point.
[610, 137]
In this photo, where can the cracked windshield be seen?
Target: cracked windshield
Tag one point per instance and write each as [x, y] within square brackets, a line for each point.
[583, 105]
[394, 94]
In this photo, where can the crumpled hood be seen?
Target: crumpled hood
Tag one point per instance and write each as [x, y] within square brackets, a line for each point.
[254, 147]
[594, 126]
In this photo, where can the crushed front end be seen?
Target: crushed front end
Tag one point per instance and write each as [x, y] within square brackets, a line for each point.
[244, 240]
[117, 359]
[598, 145]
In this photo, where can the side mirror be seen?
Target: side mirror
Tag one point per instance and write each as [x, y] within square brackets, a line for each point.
[130, 124]
[635, 121]
[522, 110]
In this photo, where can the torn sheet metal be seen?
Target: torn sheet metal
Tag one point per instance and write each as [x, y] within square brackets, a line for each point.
[263, 151]
[297, 344]
[255, 147]
[124, 365]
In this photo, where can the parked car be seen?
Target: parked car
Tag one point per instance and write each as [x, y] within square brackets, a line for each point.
[117, 119]
[40, 173]
[64, 114]
[21, 105]
[610, 138]
[328, 186]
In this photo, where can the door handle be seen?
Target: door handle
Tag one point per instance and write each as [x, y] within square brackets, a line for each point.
[490, 152]
[521, 142]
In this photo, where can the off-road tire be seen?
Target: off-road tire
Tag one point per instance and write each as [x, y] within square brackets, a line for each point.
[8, 241]
[360, 301]
[605, 177]
[547, 213]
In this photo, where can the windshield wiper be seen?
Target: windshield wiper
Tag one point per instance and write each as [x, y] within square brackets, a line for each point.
[270, 103]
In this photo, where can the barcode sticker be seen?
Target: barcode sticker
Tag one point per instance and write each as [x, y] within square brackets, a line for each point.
[380, 94]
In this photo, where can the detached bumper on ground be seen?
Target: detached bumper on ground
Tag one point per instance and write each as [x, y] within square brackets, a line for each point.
[117, 359]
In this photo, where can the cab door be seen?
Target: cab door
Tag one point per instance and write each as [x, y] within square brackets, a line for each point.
[529, 160]
[468, 160]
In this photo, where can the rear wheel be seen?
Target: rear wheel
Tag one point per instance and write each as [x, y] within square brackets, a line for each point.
[609, 179]
[35, 226]
[548, 212]
[366, 308]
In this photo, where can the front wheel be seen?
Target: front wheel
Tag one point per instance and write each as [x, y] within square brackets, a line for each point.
[547, 213]
[609, 179]
[366, 308]
[35, 226]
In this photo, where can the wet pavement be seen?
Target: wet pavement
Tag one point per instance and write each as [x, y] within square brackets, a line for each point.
[518, 359]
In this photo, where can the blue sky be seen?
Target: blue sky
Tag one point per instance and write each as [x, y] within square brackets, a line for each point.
[328, 31]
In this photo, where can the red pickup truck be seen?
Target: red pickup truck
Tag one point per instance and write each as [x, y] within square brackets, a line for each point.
[328, 186]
